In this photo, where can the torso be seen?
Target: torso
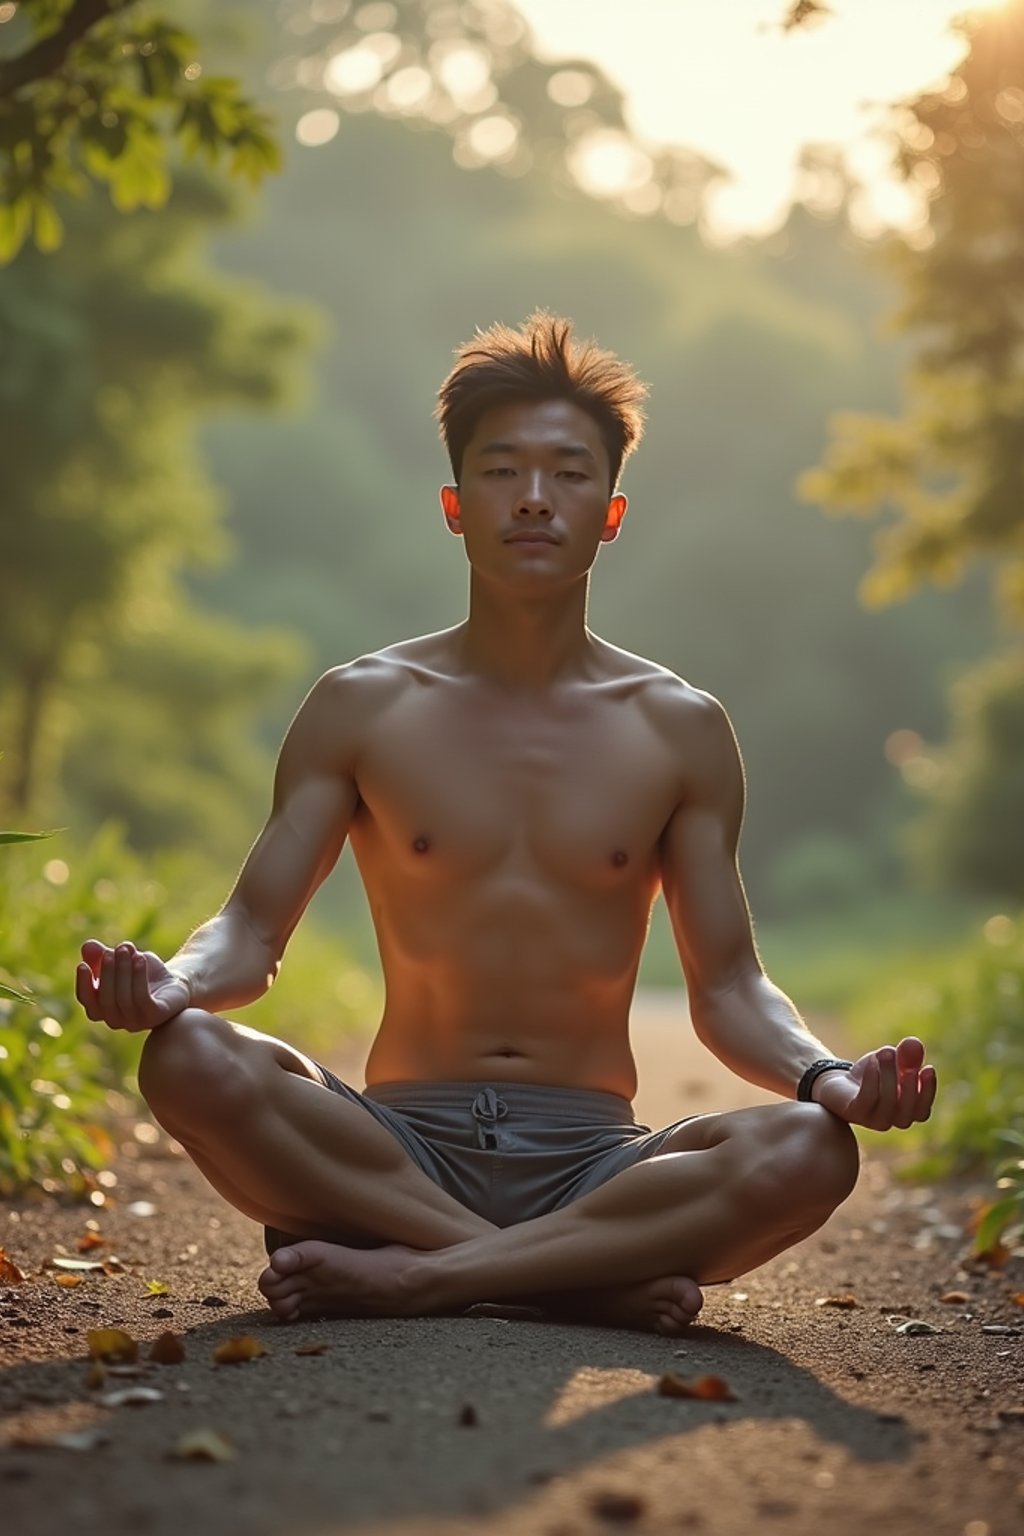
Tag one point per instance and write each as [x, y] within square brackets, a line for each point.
[508, 842]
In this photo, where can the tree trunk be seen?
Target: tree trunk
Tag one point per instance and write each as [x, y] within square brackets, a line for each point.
[30, 709]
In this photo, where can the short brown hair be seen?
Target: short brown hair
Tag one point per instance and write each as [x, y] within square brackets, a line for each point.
[540, 361]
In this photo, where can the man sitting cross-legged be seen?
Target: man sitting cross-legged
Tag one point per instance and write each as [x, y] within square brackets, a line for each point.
[516, 791]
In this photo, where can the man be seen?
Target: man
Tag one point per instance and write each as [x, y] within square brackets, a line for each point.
[516, 791]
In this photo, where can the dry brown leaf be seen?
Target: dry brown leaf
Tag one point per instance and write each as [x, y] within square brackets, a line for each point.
[204, 1445]
[955, 1298]
[837, 1301]
[10, 1274]
[68, 1279]
[235, 1351]
[710, 1388]
[1018, 1298]
[112, 1344]
[90, 1240]
[167, 1349]
[96, 1376]
[112, 1265]
[312, 1349]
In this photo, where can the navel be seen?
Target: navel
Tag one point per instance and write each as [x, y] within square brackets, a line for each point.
[620, 857]
[422, 844]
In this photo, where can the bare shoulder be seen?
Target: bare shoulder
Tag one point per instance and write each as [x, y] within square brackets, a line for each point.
[347, 699]
[691, 722]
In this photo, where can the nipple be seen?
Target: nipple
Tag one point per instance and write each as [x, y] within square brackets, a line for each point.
[421, 844]
[620, 857]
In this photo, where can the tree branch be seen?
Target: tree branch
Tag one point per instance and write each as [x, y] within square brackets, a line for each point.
[46, 57]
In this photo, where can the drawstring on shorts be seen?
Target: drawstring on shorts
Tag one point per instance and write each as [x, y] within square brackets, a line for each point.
[488, 1109]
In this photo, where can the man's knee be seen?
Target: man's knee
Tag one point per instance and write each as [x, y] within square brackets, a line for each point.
[807, 1157]
[192, 1067]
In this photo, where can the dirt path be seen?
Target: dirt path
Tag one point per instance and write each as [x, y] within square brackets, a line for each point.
[501, 1425]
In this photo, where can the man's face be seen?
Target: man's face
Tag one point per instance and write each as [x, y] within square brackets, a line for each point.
[533, 501]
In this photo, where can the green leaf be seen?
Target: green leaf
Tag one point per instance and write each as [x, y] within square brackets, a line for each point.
[19, 997]
[994, 1223]
[15, 223]
[24, 837]
[47, 225]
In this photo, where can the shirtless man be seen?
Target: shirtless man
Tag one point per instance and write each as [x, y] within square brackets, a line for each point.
[516, 791]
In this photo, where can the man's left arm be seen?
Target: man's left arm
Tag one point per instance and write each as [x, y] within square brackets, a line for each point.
[737, 1012]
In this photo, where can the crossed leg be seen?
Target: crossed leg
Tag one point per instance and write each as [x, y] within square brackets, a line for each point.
[732, 1191]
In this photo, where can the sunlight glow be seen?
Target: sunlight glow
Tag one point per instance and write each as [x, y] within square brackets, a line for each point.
[317, 127]
[727, 82]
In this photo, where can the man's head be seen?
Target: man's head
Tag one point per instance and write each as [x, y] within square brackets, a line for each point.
[541, 361]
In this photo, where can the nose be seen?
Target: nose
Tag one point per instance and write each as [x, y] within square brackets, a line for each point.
[533, 498]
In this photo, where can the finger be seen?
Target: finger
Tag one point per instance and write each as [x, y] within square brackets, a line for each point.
[906, 1104]
[123, 980]
[106, 1002]
[85, 990]
[864, 1107]
[888, 1087]
[910, 1055]
[92, 954]
[926, 1097]
[142, 1001]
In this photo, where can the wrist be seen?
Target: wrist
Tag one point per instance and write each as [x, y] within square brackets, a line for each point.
[823, 1067]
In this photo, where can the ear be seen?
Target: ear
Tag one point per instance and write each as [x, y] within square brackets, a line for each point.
[617, 509]
[452, 510]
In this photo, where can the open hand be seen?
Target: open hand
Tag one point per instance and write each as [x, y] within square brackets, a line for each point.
[128, 988]
[887, 1088]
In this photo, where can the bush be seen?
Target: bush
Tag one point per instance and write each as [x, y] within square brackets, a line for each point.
[969, 1010]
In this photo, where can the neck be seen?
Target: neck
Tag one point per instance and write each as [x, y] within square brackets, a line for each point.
[526, 642]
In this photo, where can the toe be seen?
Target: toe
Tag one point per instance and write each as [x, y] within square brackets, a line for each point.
[286, 1261]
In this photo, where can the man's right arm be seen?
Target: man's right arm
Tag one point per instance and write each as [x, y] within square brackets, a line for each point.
[232, 959]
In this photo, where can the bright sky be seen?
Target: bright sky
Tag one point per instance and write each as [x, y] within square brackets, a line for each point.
[719, 76]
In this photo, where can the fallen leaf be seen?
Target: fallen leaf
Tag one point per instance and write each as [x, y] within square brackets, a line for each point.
[132, 1397]
[79, 1266]
[112, 1344]
[612, 1505]
[1018, 1298]
[955, 1298]
[90, 1240]
[710, 1388]
[157, 1287]
[836, 1301]
[96, 1376]
[204, 1445]
[10, 1274]
[112, 1265]
[167, 1349]
[1004, 1329]
[68, 1279]
[913, 1325]
[235, 1351]
[312, 1349]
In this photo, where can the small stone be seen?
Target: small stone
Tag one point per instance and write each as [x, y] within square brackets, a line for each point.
[213, 1301]
[468, 1416]
[610, 1505]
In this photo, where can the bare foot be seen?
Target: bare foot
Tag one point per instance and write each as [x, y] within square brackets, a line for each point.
[666, 1306]
[314, 1279]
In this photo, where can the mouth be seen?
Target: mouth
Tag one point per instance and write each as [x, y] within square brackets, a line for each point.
[531, 538]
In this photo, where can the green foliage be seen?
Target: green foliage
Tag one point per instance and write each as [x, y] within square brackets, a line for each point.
[951, 468]
[115, 348]
[103, 91]
[970, 836]
[966, 1006]
[63, 1079]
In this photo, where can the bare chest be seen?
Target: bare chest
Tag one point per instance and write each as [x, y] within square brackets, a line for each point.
[580, 794]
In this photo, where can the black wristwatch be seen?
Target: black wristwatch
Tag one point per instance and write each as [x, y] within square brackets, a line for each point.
[814, 1071]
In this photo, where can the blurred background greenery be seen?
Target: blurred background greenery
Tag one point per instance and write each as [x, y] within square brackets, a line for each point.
[218, 475]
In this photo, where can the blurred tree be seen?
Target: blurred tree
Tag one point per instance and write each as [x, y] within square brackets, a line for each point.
[104, 90]
[470, 69]
[112, 350]
[971, 837]
[951, 468]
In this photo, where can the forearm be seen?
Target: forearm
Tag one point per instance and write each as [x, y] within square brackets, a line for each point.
[755, 1030]
[225, 963]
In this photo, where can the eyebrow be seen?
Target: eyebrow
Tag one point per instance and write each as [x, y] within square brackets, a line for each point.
[562, 450]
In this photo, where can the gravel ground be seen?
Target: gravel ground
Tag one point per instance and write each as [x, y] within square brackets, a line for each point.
[499, 1421]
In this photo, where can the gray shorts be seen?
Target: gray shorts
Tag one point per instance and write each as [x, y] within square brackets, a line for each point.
[508, 1151]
